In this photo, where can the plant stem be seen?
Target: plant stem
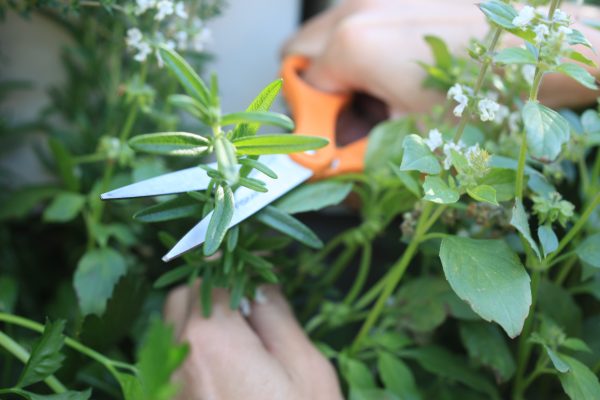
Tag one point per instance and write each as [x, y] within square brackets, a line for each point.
[109, 364]
[576, 228]
[565, 270]
[23, 355]
[479, 83]
[363, 273]
[392, 279]
[521, 168]
[524, 348]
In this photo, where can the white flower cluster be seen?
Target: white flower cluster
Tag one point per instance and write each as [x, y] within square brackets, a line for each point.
[436, 141]
[524, 18]
[457, 93]
[487, 107]
[178, 32]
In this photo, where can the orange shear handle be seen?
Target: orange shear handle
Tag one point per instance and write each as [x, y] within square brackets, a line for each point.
[315, 114]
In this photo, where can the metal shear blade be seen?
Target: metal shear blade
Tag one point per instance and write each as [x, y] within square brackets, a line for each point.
[248, 202]
[185, 180]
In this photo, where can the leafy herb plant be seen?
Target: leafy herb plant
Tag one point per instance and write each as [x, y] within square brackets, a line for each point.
[471, 272]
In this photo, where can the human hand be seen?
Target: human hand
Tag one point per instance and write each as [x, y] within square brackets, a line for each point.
[264, 356]
[372, 46]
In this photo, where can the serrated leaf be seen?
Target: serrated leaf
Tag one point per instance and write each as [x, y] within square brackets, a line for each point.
[515, 55]
[158, 358]
[356, 373]
[314, 196]
[483, 193]
[580, 383]
[500, 13]
[490, 277]
[45, 358]
[179, 207]
[186, 75]
[64, 207]
[576, 37]
[397, 377]
[486, 345]
[170, 144]
[556, 359]
[219, 221]
[548, 239]
[259, 118]
[98, 271]
[575, 344]
[577, 56]
[437, 191]
[578, 73]
[285, 223]
[418, 157]
[546, 131]
[589, 250]
[226, 159]
[262, 102]
[278, 144]
[520, 221]
[503, 182]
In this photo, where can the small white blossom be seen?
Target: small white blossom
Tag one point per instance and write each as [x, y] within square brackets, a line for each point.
[434, 140]
[528, 72]
[541, 31]
[447, 149]
[141, 6]
[134, 37]
[165, 8]
[561, 17]
[144, 50]
[525, 16]
[245, 308]
[180, 10]
[487, 109]
[456, 92]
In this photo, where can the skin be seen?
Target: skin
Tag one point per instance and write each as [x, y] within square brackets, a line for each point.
[263, 356]
[367, 46]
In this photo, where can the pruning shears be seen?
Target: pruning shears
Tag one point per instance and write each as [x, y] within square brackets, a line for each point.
[315, 113]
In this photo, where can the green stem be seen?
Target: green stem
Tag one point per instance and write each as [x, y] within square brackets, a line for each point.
[392, 279]
[363, 273]
[596, 173]
[584, 176]
[521, 168]
[576, 228]
[89, 158]
[524, 348]
[479, 83]
[435, 235]
[565, 270]
[109, 364]
[23, 355]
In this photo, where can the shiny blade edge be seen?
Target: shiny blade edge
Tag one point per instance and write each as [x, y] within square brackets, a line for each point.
[247, 201]
[185, 180]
